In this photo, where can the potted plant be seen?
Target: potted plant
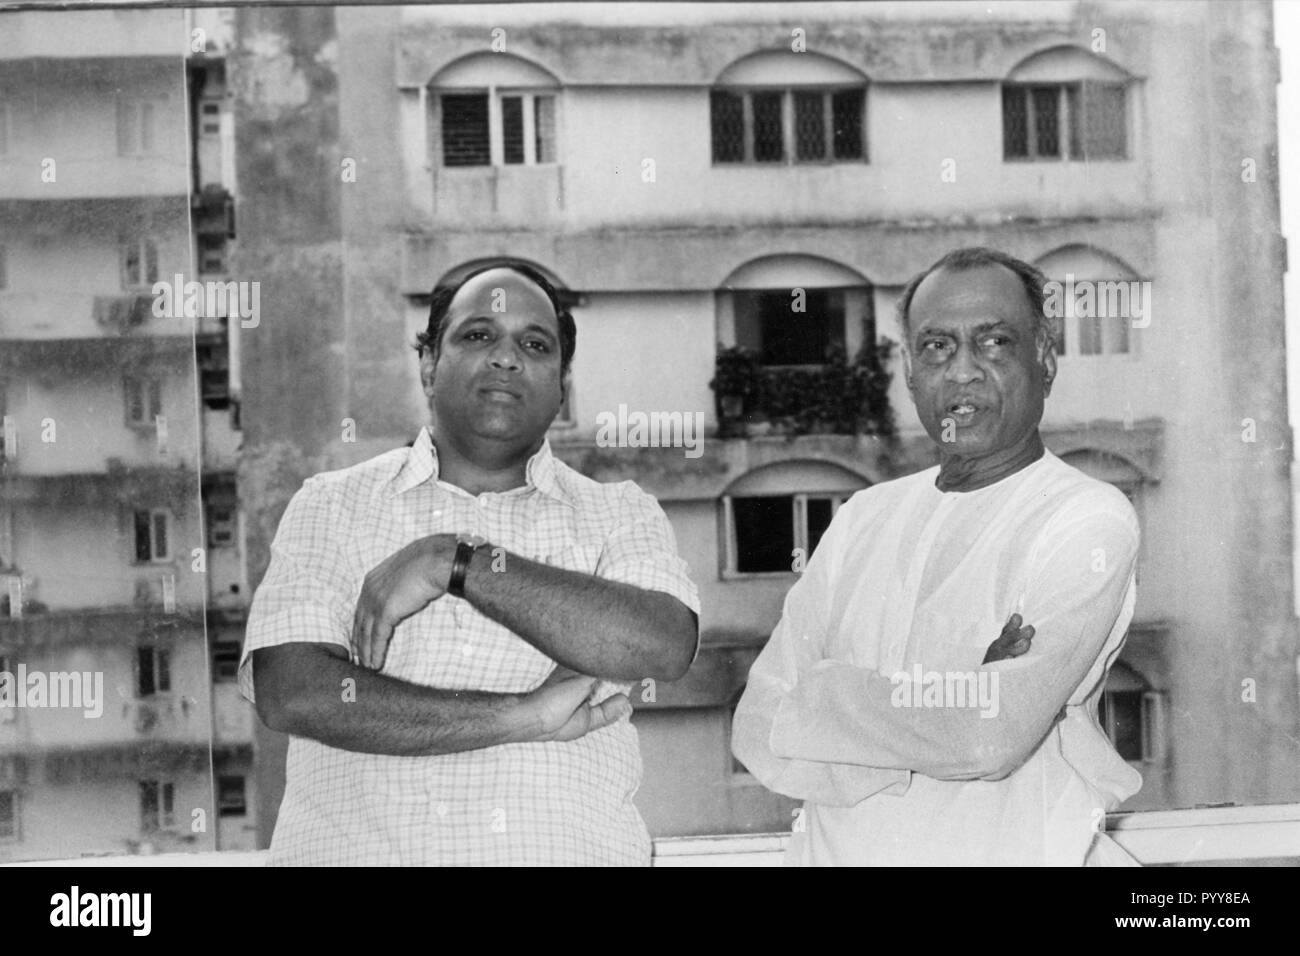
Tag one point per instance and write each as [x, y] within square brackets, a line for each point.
[735, 382]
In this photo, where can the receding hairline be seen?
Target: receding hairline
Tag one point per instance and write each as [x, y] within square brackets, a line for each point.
[981, 258]
[522, 277]
[950, 270]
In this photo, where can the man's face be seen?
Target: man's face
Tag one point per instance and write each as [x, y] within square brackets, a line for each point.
[977, 372]
[498, 370]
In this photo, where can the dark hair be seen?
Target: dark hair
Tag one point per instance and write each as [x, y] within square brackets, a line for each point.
[1031, 279]
[440, 302]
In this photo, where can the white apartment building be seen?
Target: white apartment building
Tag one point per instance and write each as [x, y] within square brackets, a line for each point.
[681, 173]
[120, 539]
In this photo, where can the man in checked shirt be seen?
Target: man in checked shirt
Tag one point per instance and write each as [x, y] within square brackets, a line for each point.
[428, 615]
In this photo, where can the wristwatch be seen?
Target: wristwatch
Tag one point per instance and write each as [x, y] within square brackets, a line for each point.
[466, 545]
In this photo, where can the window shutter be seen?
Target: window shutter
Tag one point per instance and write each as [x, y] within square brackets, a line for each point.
[769, 146]
[465, 129]
[1046, 101]
[145, 684]
[159, 535]
[512, 129]
[1104, 120]
[1015, 123]
[727, 118]
[809, 125]
[544, 128]
[1155, 744]
[846, 113]
[142, 536]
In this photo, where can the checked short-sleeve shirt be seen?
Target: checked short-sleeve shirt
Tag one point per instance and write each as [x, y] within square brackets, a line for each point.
[526, 803]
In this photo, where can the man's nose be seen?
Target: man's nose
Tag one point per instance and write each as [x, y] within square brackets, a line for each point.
[963, 367]
[505, 355]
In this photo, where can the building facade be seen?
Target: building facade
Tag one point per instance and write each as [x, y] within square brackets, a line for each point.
[121, 729]
[684, 174]
[732, 201]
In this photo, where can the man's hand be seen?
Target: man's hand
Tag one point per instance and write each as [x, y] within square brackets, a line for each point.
[402, 584]
[1012, 642]
[558, 710]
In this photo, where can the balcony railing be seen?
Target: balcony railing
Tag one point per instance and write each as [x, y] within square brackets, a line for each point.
[837, 398]
[1249, 834]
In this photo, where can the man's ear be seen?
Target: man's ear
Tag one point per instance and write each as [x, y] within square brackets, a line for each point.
[907, 366]
[565, 381]
[1047, 358]
[427, 364]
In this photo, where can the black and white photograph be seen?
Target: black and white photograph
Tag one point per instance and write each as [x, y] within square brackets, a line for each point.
[650, 434]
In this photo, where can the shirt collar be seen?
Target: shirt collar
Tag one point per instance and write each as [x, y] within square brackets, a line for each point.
[421, 465]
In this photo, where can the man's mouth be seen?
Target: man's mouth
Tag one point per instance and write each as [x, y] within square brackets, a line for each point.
[963, 411]
[500, 392]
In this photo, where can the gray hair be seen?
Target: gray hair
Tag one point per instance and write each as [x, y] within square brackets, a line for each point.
[1031, 279]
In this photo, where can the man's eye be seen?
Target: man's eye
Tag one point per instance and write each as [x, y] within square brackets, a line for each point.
[933, 345]
[539, 345]
[997, 341]
[474, 333]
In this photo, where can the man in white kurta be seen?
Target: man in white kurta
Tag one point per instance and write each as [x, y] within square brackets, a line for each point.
[872, 701]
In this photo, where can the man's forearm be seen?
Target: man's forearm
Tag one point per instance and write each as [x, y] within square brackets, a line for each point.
[313, 690]
[603, 628]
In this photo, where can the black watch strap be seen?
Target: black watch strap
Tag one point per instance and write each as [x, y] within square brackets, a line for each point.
[460, 567]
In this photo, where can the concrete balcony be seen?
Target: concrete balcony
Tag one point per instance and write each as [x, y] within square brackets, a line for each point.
[127, 33]
[53, 316]
[82, 179]
[175, 487]
[99, 626]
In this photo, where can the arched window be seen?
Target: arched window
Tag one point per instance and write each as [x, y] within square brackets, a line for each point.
[493, 109]
[774, 517]
[1096, 299]
[785, 107]
[790, 309]
[1065, 103]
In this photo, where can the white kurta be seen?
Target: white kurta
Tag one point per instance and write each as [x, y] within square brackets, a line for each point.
[911, 580]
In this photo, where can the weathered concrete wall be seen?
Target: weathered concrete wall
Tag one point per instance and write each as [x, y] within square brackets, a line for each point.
[889, 43]
[339, 259]
[285, 87]
[1237, 523]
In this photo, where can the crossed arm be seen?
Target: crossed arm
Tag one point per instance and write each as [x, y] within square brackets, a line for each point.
[591, 625]
[830, 731]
